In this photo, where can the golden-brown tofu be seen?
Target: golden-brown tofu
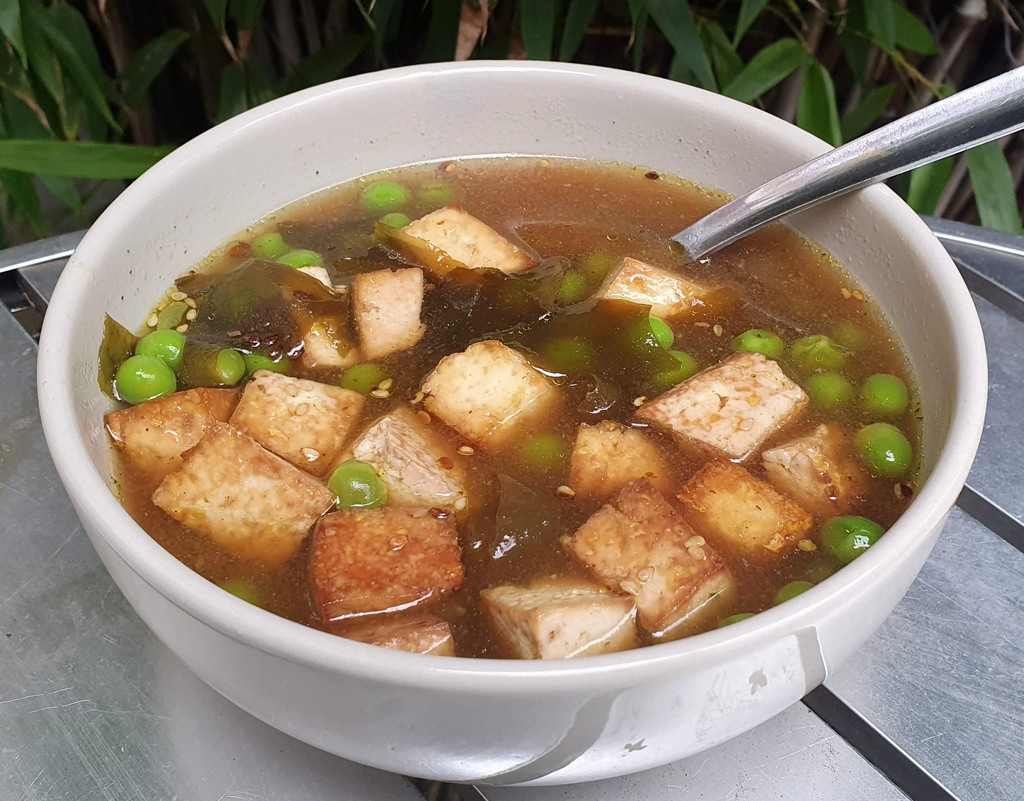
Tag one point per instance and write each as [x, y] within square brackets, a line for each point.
[488, 391]
[323, 347]
[154, 434]
[741, 514]
[666, 293]
[418, 466]
[304, 422]
[728, 410]
[609, 455]
[818, 471]
[561, 618]
[247, 500]
[420, 634]
[639, 545]
[467, 240]
[386, 305]
[366, 561]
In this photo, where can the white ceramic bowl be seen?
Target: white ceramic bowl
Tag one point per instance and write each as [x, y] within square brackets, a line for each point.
[498, 721]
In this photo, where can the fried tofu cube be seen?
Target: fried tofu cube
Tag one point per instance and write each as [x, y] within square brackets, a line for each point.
[741, 514]
[367, 561]
[666, 293]
[817, 470]
[304, 422]
[422, 634]
[240, 495]
[386, 305]
[324, 348]
[561, 618]
[607, 456]
[467, 240]
[154, 434]
[638, 544]
[730, 409]
[487, 391]
[417, 465]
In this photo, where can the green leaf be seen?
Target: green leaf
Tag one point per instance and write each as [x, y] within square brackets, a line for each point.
[64, 190]
[750, 10]
[247, 13]
[816, 111]
[674, 19]
[680, 71]
[148, 63]
[857, 50]
[234, 98]
[10, 27]
[994, 192]
[577, 20]
[216, 9]
[443, 30]
[766, 69]
[23, 198]
[927, 184]
[537, 27]
[76, 30]
[870, 109]
[912, 34]
[78, 159]
[41, 61]
[326, 64]
[724, 59]
[258, 85]
[639, 18]
[880, 19]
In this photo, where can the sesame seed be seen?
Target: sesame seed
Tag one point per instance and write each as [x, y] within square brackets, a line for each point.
[466, 450]
[181, 329]
[178, 296]
[646, 574]
[446, 463]
[703, 325]
[695, 541]
[629, 587]
[398, 541]
[438, 512]
[718, 330]
[234, 333]
[190, 303]
[387, 383]
[418, 397]
[301, 409]
[191, 314]
[461, 503]
[380, 393]
[311, 454]
[423, 416]
[857, 294]
[640, 401]
[565, 492]
[806, 545]
[697, 553]
[846, 293]
[152, 321]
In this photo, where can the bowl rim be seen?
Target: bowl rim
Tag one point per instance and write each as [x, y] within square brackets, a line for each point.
[277, 636]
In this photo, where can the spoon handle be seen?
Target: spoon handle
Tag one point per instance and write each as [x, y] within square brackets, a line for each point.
[972, 117]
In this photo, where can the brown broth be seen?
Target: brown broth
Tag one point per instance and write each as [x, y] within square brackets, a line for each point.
[561, 210]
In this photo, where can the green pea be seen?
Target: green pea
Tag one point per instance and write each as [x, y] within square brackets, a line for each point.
[830, 390]
[301, 258]
[850, 335]
[380, 197]
[662, 333]
[229, 366]
[243, 589]
[357, 486]
[596, 266]
[395, 220]
[166, 345]
[757, 340]
[649, 332]
[270, 246]
[846, 537]
[818, 352]
[728, 621]
[434, 194]
[789, 591]
[143, 378]
[686, 367]
[884, 395]
[258, 360]
[172, 316]
[572, 289]
[363, 377]
[885, 449]
[543, 451]
[571, 354]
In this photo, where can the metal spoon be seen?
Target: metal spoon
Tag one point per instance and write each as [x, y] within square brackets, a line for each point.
[972, 117]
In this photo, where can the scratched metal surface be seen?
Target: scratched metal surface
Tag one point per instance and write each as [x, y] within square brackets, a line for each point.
[793, 756]
[92, 706]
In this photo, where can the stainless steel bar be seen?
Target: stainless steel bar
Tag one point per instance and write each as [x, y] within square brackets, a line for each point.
[22, 256]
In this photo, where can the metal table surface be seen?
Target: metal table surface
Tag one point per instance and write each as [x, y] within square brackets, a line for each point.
[932, 708]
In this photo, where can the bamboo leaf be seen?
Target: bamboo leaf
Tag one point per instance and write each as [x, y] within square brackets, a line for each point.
[870, 109]
[993, 187]
[927, 184]
[42, 63]
[880, 19]
[674, 19]
[680, 71]
[326, 64]
[912, 34]
[217, 9]
[234, 98]
[78, 159]
[577, 20]
[750, 10]
[724, 59]
[816, 111]
[766, 69]
[639, 18]
[537, 27]
[258, 85]
[25, 202]
[246, 13]
[148, 63]
[857, 51]
[10, 27]
[443, 30]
